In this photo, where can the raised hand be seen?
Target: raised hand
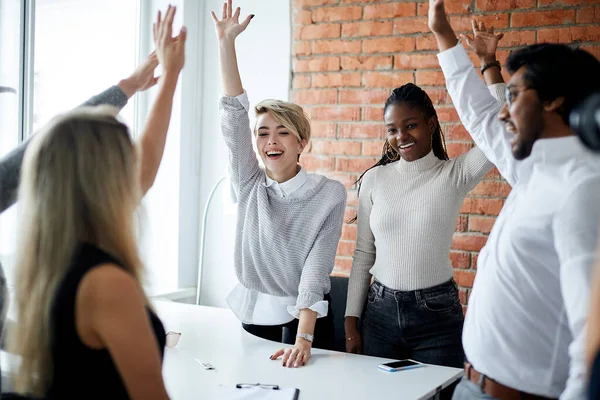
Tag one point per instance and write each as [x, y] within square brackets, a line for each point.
[170, 50]
[437, 19]
[229, 27]
[483, 42]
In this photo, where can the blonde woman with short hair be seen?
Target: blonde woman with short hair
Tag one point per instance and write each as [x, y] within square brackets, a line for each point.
[289, 222]
[85, 328]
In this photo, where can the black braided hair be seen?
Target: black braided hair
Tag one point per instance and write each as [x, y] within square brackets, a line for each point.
[416, 97]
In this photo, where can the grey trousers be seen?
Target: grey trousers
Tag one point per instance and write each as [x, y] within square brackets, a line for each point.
[467, 390]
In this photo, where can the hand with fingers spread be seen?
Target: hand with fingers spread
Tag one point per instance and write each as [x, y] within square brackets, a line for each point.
[294, 357]
[483, 42]
[229, 27]
[170, 50]
[142, 78]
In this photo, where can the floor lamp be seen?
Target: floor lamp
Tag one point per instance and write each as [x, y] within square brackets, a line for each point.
[203, 235]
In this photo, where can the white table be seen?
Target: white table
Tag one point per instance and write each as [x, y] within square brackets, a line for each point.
[214, 335]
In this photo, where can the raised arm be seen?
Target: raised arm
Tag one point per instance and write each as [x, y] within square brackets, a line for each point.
[117, 96]
[235, 124]
[363, 260]
[476, 107]
[171, 54]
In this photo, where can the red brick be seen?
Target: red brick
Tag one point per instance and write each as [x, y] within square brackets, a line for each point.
[359, 165]
[302, 48]
[456, 149]
[437, 96]
[345, 179]
[312, 3]
[460, 259]
[336, 79]
[595, 50]
[390, 10]
[335, 113]
[415, 61]
[492, 189]
[343, 265]
[349, 232]
[468, 242]
[336, 46]
[363, 1]
[357, 29]
[456, 132]
[461, 223]
[302, 17]
[329, 14]
[493, 174]
[350, 213]
[372, 114]
[481, 224]
[452, 7]
[388, 80]
[427, 42]
[300, 81]
[363, 96]
[559, 3]
[588, 15]
[463, 23]
[481, 206]
[517, 38]
[323, 129]
[373, 148]
[542, 18]
[430, 78]
[447, 114]
[388, 45]
[326, 96]
[336, 147]
[367, 63]
[569, 35]
[352, 194]
[411, 25]
[322, 31]
[463, 296]
[315, 163]
[464, 278]
[509, 5]
[361, 131]
[319, 64]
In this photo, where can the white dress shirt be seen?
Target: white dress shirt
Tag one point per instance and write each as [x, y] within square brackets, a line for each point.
[251, 306]
[525, 325]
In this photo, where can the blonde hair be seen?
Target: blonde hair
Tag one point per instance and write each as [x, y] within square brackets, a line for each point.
[289, 115]
[80, 183]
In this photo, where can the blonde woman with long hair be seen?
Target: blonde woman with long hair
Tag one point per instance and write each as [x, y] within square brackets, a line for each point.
[289, 222]
[85, 326]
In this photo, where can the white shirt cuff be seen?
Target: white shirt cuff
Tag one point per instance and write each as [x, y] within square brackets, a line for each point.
[454, 59]
[320, 307]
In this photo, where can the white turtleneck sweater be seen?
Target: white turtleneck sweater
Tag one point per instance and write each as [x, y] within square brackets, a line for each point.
[406, 219]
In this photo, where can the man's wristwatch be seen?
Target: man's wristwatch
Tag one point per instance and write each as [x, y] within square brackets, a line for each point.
[306, 336]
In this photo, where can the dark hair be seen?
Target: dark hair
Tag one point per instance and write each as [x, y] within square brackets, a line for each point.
[557, 70]
[415, 96]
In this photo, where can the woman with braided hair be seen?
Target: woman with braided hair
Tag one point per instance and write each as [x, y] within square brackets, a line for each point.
[408, 205]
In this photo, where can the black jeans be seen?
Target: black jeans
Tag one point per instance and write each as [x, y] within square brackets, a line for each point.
[286, 333]
[424, 325]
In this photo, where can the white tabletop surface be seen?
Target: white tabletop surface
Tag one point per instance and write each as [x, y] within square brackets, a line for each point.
[214, 335]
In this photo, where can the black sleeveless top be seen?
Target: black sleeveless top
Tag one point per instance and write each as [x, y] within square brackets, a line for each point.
[79, 371]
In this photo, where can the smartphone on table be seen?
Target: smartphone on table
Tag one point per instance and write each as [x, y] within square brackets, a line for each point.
[400, 365]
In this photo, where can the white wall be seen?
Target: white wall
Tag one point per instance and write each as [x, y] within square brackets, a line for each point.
[264, 56]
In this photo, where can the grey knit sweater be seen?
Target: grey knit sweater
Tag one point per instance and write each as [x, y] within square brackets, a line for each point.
[283, 247]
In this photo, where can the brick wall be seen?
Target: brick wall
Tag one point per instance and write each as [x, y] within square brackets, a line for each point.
[349, 54]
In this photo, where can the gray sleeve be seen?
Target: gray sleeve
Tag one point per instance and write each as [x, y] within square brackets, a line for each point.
[10, 165]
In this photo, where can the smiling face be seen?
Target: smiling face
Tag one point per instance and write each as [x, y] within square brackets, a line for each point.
[409, 131]
[278, 147]
[522, 115]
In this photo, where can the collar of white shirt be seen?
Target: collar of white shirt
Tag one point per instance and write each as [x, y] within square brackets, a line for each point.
[288, 187]
[555, 150]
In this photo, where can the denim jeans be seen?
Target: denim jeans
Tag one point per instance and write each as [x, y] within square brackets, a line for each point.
[467, 390]
[424, 325]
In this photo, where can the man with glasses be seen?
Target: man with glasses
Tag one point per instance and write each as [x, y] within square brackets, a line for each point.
[524, 329]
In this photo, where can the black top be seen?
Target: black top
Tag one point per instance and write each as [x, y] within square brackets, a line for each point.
[78, 370]
[594, 389]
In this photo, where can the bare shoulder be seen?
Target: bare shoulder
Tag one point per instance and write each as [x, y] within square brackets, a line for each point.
[109, 284]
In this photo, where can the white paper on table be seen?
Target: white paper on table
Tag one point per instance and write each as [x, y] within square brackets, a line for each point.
[229, 393]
